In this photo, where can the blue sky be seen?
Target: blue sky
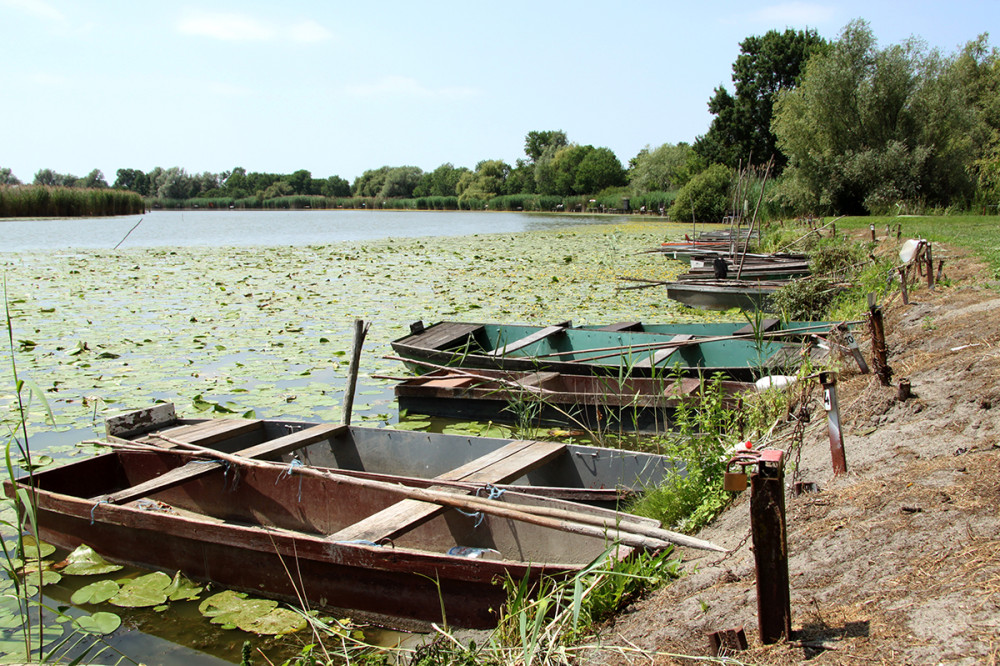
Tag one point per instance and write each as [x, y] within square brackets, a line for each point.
[338, 88]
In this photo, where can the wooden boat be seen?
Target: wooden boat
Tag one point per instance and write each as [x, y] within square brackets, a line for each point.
[601, 403]
[561, 348]
[326, 540]
[771, 328]
[711, 294]
[574, 472]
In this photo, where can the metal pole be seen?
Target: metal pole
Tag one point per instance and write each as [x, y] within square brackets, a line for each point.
[829, 382]
[770, 546]
[902, 286]
[879, 353]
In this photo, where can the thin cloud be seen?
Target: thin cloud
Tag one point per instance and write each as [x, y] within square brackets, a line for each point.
[794, 13]
[232, 27]
[401, 86]
[36, 8]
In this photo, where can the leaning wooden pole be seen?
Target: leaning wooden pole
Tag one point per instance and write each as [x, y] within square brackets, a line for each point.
[360, 331]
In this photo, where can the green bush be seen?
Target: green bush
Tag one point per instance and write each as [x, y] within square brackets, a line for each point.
[706, 196]
[804, 300]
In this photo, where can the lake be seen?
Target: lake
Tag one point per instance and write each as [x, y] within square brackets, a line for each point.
[242, 228]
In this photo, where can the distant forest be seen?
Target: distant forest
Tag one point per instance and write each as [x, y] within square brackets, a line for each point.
[820, 127]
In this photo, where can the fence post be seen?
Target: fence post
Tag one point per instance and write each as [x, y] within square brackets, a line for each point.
[770, 546]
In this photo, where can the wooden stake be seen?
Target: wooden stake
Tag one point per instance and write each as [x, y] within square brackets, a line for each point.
[879, 353]
[360, 331]
[902, 285]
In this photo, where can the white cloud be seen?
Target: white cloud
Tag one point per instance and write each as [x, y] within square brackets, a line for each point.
[36, 8]
[233, 27]
[794, 13]
[401, 86]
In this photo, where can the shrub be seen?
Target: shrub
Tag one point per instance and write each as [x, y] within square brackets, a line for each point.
[706, 196]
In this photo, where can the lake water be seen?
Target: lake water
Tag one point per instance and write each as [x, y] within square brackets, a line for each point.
[267, 228]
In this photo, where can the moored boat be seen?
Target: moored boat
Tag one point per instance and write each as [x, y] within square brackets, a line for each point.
[561, 348]
[326, 540]
[594, 402]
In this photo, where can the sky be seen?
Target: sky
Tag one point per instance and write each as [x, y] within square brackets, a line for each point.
[342, 87]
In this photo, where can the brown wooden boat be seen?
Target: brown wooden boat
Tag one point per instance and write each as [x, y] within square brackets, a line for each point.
[329, 540]
[602, 403]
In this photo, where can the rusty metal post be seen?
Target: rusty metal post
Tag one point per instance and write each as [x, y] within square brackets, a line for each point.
[829, 382]
[902, 286]
[930, 267]
[879, 352]
[770, 547]
[871, 228]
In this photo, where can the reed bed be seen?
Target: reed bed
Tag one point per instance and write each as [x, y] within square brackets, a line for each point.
[44, 201]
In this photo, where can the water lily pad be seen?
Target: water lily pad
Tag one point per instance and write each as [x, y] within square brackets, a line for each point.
[84, 561]
[276, 622]
[101, 623]
[40, 576]
[148, 590]
[227, 606]
[181, 589]
[31, 550]
[95, 593]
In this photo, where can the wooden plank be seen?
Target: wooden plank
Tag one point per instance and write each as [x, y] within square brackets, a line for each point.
[766, 325]
[194, 470]
[622, 326]
[500, 466]
[546, 332]
[442, 335]
[448, 382]
[538, 379]
[661, 354]
[208, 432]
[139, 421]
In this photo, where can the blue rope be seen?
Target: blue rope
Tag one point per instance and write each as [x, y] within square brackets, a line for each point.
[288, 473]
[93, 508]
[478, 515]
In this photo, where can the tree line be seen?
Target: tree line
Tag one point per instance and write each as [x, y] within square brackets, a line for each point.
[840, 126]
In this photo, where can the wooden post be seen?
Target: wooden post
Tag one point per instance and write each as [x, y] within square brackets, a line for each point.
[902, 285]
[360, 331]
[871, 228]
[940, 270]
[770, 546]
[879, 353]
[829, 382]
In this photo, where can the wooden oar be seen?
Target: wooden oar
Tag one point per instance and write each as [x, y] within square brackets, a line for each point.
[462, 373]
[622, 529]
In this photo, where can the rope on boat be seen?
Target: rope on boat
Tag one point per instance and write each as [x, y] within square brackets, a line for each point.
[93, 508]
[295, 462]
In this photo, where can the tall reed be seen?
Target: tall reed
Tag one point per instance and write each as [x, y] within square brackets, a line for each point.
[44, 201]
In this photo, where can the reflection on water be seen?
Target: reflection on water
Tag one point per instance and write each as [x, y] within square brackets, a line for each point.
[267, 228]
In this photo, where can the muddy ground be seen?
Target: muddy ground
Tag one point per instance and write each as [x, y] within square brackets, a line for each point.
[895, 562]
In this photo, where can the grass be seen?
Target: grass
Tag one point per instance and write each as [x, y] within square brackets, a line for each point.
[41, 201]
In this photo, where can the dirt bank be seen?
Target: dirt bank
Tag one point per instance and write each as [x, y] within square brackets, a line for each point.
[898, 561]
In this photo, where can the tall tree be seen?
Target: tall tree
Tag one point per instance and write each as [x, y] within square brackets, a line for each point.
[7, 177]
[599, 169]
[741, 129]
[537, 143]
[871, 128]
[663, 169]
[93, 180]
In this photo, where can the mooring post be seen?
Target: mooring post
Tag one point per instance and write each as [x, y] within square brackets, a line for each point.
[902, 285]
[770, 546]
[871, 228]
[930, 268]
[360, 331]
[829, 382]
[879, 353]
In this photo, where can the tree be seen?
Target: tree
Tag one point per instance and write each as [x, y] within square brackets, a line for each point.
[868, 129]
[599, 169]
[741, 129]
[977, 73]
[93, 180]
[132, 179]
[369, 184]
[399, 182]
[52, 179]
[335, 186]
[489, 180]
[538, 143]
[705, 197]
[664, 169]
[441, 182]
[7, 177]
[172, 183]
[301, 182]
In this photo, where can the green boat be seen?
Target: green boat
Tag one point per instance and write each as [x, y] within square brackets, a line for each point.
[684, 349]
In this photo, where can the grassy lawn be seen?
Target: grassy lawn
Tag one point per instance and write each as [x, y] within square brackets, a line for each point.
[979, 233]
